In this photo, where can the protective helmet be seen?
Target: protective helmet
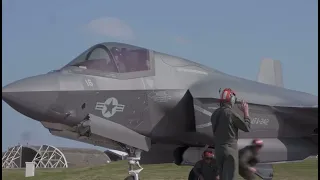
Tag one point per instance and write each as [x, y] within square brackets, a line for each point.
[207, 154]
[257, 143]
[228, 96]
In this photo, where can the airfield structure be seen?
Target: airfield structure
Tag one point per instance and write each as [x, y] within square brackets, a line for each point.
[47, 156]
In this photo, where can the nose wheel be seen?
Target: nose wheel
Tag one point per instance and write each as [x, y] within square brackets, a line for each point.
[134, 156]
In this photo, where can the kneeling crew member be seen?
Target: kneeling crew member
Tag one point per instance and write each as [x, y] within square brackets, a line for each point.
[248, 159]
[206, 169]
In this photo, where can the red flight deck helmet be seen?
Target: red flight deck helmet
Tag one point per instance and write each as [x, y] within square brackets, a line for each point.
[257, 143]
[228, 96]
[207, 154]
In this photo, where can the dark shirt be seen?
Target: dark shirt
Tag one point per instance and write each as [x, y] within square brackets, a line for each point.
[207, 170]
[225, 123]
[247, 158]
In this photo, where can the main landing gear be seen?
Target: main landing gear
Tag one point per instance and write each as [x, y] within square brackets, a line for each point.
[133, 158]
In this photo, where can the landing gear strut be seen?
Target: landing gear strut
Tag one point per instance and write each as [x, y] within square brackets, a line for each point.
[133, 158]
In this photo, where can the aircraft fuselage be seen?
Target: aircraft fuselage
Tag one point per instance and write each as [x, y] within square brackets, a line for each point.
[170, 102]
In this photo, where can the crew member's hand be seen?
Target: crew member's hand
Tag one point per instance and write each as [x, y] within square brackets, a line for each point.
[252, 169]
[217, 177]
[245, 108]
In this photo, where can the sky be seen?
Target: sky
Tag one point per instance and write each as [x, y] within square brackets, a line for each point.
[232, 36]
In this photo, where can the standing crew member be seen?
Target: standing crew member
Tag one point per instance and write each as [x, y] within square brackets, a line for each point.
[248, 158]
[206, 168]
[225, 124]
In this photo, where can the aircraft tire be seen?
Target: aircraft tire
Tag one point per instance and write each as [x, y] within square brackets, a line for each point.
[130, 178]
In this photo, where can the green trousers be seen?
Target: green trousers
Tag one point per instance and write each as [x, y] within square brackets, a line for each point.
[227, 161]
[246, 174]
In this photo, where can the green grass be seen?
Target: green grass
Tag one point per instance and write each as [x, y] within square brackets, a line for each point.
[306, 170]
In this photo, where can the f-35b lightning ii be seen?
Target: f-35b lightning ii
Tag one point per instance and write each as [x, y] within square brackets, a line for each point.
[137, 100]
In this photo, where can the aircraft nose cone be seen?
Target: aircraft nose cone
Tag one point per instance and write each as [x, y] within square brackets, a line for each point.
[32, 96]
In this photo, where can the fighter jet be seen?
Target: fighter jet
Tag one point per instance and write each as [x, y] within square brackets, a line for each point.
[157, 107]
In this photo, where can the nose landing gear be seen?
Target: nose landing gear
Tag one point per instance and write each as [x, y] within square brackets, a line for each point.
[134, 156]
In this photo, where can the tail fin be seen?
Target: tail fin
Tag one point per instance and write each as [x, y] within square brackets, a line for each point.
[270, 72]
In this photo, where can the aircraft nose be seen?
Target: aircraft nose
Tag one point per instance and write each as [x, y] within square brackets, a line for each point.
[32, 96]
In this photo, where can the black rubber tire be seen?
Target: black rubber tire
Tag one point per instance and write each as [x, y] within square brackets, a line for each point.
[130, 178]
[177, 154]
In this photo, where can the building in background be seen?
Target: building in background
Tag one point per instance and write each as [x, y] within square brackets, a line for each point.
[47, 156]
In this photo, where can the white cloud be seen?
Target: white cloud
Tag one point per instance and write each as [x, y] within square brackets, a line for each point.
[111, 27]
[181, 40]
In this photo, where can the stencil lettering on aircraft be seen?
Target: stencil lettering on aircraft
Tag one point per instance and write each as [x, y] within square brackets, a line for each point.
[260, 121]
[89, 82]
[110, 107]
[254, 121]
[160, 96]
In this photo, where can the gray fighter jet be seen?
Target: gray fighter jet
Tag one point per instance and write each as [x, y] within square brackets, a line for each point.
[138, 100]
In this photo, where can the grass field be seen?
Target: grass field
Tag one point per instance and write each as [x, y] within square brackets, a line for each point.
[306, 170]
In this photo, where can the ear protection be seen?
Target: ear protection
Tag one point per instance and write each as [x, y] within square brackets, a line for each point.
[228, 95]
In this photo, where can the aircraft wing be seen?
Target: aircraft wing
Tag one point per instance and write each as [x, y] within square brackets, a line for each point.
[305, 110]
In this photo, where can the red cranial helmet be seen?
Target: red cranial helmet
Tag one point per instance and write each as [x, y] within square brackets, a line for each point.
[257, 142]
[207, 154]
[228, 96]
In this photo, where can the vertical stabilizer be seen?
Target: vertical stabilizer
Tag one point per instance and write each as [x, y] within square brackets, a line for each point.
[270, 72]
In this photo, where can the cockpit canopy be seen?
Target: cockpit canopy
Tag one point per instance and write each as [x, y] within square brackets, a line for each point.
[114, 58]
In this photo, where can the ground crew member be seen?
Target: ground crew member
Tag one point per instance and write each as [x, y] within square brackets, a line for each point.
[225, 124]
[248, 159]
[206, 168]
